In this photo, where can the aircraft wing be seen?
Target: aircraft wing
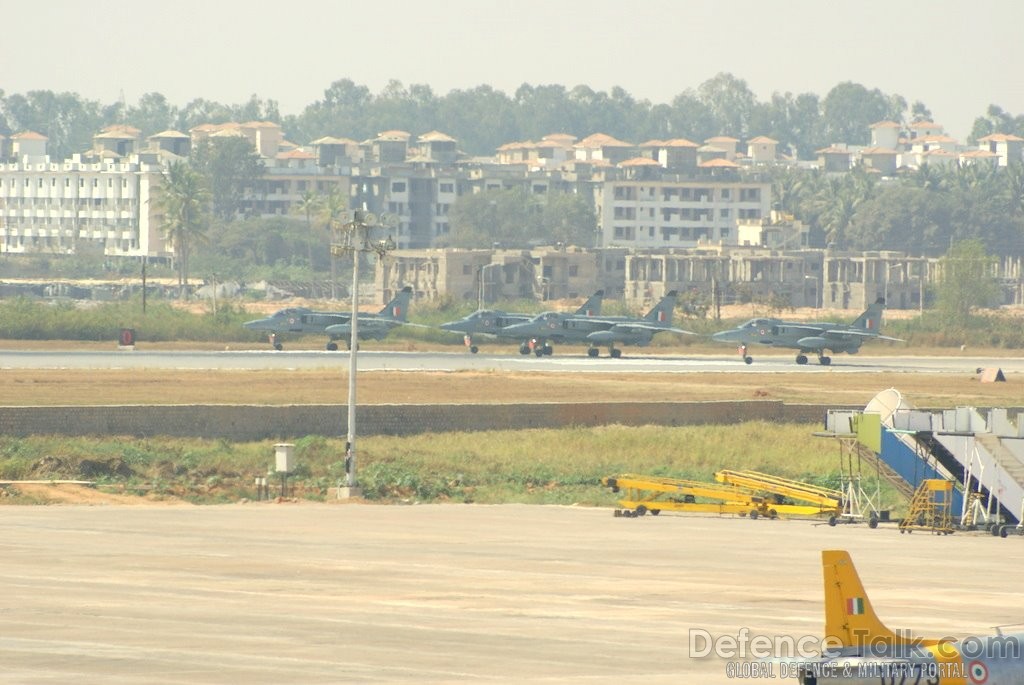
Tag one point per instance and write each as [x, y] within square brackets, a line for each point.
[633, 327]
[842, 333]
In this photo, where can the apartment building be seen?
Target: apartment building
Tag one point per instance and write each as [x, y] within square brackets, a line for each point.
[78, 205]
[658, 213]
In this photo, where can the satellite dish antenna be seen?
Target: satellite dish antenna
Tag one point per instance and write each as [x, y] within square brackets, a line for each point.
[388, 220]
[370, 219]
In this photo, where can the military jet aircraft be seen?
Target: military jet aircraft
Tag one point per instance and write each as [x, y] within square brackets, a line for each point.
[335, 324]
[860, 650]
[495, 323]
[561, 327]
[808, 337]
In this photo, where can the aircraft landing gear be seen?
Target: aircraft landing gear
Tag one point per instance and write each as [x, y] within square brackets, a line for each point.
[540, 349]
[468, 342]
[272, 339]
[332, 346]
[614, 352]
[593, 351]
[801, 358]
[824, 360]
[747, 359]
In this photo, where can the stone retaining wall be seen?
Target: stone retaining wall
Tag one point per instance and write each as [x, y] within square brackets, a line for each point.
[257, 422]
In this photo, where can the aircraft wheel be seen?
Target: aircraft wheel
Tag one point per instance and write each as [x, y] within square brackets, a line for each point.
[332, 346]
[278, 346]
[994, 529]
[873, 522]
[753, 514]
[524, 349]
[801, 359]
[615, 353]
[832, 521]
[1004, 531]
[593, 352]
[772, 514]
[474, 349]
[641, 510]
[748, 360]
[825, 361]
[539, 351]
[548, 350]
[655, 512]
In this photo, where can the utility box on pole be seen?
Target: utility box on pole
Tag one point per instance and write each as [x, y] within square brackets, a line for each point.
[284, 454]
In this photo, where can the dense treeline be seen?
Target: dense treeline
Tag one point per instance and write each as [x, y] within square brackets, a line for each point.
[483, 118]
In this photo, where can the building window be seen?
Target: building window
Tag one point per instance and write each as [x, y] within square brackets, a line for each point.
[723, 213]
[447, 188]
[398, 187]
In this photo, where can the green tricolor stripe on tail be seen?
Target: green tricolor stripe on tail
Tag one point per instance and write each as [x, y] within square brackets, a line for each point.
[855, 606]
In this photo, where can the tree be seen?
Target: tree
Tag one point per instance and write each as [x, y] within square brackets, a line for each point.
[65, 118]
[849, 109]
[332, 212]
[229, 166]
[966, 283]
[508, 217]
[308, 205]
[569, 219]
[152, 115]
[183, 200]
[730, 102]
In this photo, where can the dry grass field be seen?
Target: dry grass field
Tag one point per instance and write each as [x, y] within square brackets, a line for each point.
[155, 386]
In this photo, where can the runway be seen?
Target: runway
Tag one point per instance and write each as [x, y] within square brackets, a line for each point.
[375, 360]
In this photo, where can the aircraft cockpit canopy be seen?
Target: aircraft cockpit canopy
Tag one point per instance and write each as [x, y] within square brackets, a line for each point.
[290, 312]
[760, 323]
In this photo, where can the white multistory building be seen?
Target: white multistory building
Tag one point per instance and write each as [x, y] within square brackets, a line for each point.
[665, 214]
[77, 205]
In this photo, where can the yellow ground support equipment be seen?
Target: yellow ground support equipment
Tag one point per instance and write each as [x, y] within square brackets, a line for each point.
[655, 494]
[930, 508]
[813, 500]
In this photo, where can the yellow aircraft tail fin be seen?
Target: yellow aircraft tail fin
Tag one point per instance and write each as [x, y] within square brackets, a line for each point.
[850, 621]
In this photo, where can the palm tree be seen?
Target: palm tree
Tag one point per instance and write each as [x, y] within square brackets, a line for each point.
[184, 201]
[332, 211]
[309, 204]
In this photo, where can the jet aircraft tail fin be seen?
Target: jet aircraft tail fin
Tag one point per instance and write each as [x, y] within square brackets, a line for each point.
[398, 307]
[871, 319]
[592, 307]
[662, 312]
[850, 620]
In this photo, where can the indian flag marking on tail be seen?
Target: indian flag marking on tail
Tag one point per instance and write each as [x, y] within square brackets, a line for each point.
[855, 606]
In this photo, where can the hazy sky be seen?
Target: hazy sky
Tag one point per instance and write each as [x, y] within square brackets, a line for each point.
[956, 56]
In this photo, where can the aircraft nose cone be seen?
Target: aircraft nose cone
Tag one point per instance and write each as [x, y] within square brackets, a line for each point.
[450, 326]
[722, 336]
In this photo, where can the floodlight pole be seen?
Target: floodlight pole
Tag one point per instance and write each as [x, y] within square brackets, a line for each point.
[350, 458]
[358, 241]
[357, 226]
